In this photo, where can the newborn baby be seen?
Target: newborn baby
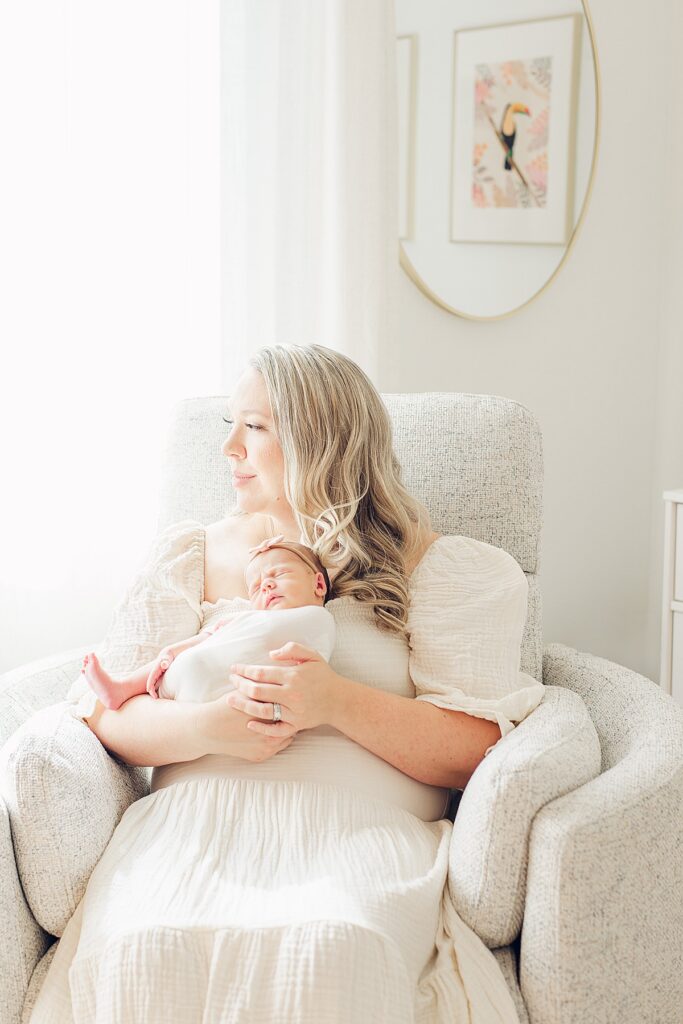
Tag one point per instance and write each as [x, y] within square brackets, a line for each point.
[287, 586]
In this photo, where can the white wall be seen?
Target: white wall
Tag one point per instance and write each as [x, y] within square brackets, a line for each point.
[478, 278]
[597, 357]
[668, 446]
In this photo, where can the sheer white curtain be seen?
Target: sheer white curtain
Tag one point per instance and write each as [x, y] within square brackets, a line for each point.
[168, 165]
[110, 309]
[309, 219]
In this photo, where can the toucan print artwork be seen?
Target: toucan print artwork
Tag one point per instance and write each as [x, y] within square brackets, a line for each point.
[511, 129]
[508, 129]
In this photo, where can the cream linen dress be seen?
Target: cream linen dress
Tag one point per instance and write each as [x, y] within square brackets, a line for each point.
[311, 888]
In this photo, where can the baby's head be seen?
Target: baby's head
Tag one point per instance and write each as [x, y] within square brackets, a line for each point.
[283, 574]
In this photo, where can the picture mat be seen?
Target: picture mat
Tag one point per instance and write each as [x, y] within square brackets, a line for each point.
[559, 39]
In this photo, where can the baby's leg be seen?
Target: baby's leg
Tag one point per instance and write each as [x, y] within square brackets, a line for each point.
[113, 692]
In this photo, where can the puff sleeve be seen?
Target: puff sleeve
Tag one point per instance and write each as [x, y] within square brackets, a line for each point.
[161, 606]
[468, 608]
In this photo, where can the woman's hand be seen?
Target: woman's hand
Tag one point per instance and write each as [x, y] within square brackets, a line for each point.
[222, 730]
[307, 690]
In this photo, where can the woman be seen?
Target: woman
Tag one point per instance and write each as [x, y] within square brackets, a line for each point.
[308, 886]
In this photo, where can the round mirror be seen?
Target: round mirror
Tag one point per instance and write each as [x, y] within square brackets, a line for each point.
[498, 126]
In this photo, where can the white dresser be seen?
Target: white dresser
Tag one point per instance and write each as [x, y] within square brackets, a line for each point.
[671, 664]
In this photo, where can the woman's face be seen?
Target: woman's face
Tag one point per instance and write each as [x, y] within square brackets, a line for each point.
[254, 451]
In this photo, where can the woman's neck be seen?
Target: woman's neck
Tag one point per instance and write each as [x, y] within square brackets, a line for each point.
[286, 525]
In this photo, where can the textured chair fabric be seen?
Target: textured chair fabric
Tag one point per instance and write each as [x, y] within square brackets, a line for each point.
[43, 965]
[602, 938]
[65, 796]
[552, 752]
[27, 689]
[23, 940]
[508, 961]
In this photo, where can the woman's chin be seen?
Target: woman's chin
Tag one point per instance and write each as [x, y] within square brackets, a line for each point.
[246, 503]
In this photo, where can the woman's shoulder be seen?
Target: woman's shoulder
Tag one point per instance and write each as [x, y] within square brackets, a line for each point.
[177, 538]
[174, 564]
[468, 559]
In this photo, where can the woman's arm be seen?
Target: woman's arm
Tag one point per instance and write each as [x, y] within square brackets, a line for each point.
[442, 748]
[151, 732]
[431, 744]
[148, 732]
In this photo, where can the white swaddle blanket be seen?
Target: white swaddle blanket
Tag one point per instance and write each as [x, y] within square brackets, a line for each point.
[201, 673]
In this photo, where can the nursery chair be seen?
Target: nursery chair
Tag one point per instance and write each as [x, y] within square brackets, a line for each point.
[566, 851]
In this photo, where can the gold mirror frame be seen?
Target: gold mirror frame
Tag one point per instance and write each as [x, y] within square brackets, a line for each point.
[415, 277]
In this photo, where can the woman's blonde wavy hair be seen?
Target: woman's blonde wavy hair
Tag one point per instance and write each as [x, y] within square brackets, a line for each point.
[342, 478]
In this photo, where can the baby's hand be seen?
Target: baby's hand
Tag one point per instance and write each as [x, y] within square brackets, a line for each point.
[163, 660]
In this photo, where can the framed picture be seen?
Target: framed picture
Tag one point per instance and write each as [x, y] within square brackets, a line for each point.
[514, 130]
[406, 74]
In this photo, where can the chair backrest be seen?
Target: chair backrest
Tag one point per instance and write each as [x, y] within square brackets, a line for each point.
[475, 461]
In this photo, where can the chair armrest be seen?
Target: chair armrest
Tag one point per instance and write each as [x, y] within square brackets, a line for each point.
[23, 691]
[553, 751]
[23, 940]
[36, 685]
[603, 920]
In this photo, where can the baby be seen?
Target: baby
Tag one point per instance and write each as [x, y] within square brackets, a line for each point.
[287, 586]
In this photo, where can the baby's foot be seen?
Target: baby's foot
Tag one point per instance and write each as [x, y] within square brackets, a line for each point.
[101, 683]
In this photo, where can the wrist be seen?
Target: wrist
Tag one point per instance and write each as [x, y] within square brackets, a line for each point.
[200, 731]
[343, 698]
[216, 728]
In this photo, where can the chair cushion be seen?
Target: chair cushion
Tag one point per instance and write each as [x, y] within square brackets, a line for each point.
[554, 750]
[65, 796]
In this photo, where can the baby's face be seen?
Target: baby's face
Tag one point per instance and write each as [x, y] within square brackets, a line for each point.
[279, 579]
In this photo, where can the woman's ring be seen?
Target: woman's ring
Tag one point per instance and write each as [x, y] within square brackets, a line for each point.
[277, 713]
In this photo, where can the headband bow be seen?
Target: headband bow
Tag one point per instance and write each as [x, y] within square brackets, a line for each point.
[265, 545]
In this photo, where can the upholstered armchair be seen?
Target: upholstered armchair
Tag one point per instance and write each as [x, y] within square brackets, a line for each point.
[567, 846]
